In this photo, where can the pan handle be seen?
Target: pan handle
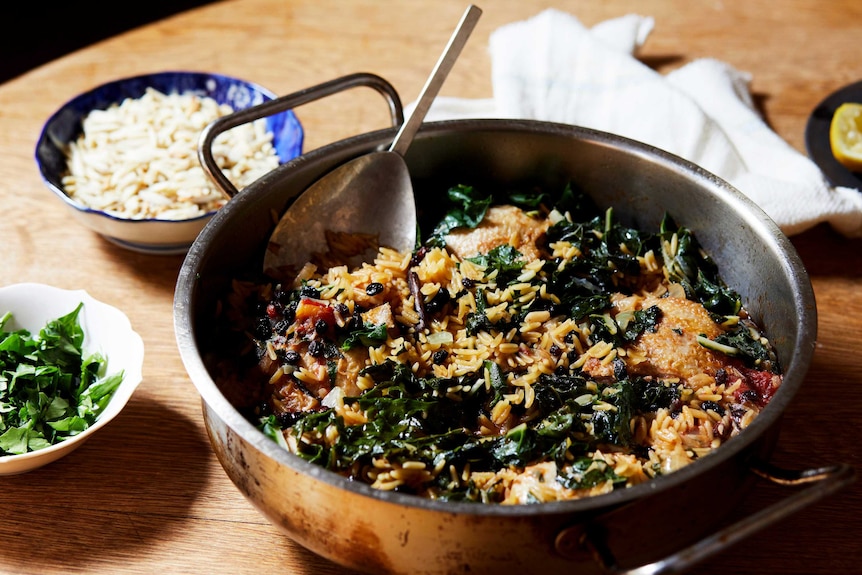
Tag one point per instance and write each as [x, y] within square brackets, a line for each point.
[823, 481]
[282, 104]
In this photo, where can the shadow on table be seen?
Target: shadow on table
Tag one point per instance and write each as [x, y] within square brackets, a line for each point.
[825, 252]
[159, 272]
[150, 462]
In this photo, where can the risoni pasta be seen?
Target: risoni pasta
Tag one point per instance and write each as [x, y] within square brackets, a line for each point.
[531, 349]
[138, 159]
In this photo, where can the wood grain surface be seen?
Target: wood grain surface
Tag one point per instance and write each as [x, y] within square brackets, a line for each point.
[147, 495]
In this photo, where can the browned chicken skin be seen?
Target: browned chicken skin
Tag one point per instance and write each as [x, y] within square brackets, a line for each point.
[672, 349]
[501, 225]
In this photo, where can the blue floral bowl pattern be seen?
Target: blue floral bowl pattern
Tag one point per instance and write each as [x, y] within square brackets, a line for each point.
[152, 235]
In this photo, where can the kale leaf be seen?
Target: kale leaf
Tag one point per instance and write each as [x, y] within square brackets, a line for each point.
[505, 260]
[367, 335]
[586, 472]
[689, 266]
[626, 327]
[477, 321]
[749, 348]
[468, 207]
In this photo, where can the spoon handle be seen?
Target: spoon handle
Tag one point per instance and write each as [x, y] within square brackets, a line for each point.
[410, 126]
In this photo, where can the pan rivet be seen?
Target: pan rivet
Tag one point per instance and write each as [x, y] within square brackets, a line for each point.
[568, 542]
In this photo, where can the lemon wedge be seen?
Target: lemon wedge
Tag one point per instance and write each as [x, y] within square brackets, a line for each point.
[845, 135]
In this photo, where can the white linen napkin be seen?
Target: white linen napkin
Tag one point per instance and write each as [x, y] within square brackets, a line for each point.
[550, 67]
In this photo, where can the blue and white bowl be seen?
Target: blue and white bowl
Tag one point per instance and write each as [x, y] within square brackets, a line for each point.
[152, 235]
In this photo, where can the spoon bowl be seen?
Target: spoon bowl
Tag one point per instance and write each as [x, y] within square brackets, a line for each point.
[367, 202]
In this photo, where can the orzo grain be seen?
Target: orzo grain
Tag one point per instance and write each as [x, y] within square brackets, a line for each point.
[138, 159]
[621, 366]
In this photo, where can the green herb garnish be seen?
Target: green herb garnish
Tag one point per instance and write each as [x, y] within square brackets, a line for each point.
[49, 390]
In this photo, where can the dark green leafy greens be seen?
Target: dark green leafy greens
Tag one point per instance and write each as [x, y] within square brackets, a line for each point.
[49, 391]
[742, 343]
[367, 334]
[412, 418]
[408, 420]
[689, 266]
[625, 327]
[467, 210]
[505, 260]
[467, 206]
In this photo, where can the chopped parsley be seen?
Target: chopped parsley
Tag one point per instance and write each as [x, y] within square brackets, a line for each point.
[49, 390]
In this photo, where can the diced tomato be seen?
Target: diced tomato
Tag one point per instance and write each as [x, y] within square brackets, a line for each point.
[310, 311]
[271, 311]
[760, 382]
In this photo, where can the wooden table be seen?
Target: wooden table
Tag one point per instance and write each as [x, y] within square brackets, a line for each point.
[147, 495]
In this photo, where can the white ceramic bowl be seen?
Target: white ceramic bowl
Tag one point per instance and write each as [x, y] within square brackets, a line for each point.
[154, 236]
[106, 330]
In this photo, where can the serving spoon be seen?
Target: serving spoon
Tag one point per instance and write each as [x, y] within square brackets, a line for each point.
[367, 202]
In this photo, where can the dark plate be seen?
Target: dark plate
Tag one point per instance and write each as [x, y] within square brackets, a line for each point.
[817, 137]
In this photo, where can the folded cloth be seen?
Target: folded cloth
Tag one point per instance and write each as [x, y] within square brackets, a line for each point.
[550, 67]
